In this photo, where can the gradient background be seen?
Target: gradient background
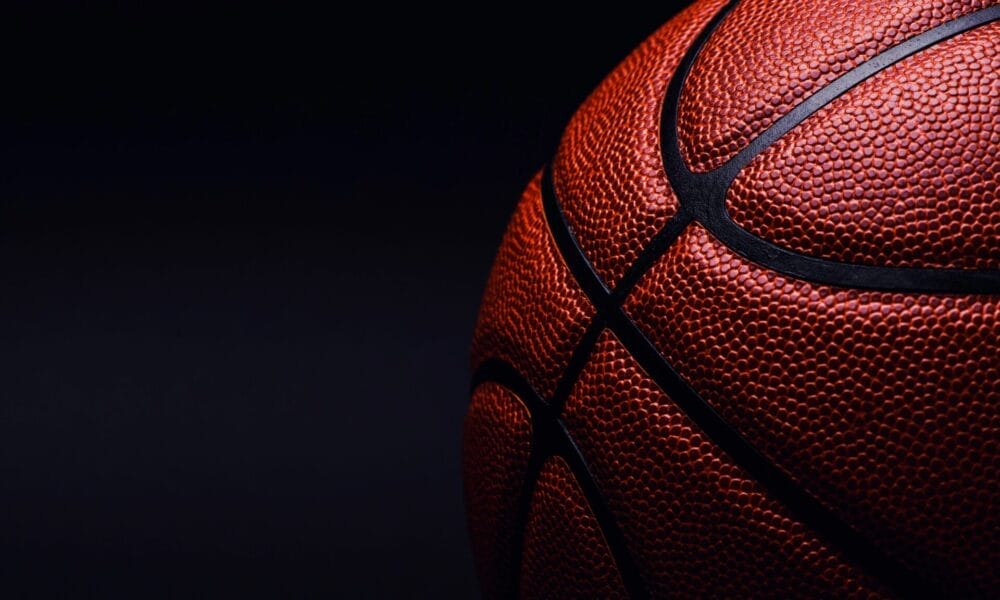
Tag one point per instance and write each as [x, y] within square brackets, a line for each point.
[241, 255]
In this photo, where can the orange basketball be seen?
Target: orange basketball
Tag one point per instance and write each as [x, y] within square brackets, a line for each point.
[741, 338]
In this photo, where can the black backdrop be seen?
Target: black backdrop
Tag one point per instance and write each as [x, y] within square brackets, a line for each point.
[240, 260]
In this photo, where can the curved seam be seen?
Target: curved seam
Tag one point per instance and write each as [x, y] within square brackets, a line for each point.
[705, 193]
[652, 361]
[550, 437]
[773, 478]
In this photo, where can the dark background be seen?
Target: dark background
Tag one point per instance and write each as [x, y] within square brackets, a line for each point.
[240, 260]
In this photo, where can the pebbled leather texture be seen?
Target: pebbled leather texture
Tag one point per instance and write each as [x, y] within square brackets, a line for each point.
[711, 431]
[768, 56]
[497, 444]
[900, 171]
[698, 524]
[533, 312]
[883, 405]
[608, 171]
[564, 551]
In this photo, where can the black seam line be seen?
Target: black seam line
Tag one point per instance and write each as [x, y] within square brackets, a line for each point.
[609, 302]
[608, 526]
[657, 246]
[800, 502]
[684, 215]
[506, 376]
[577, 361]
[550, 437]
[848, 80]
[704, 194]
[582, 270]
[562, 233]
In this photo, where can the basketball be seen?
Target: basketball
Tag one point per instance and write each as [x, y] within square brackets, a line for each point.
[741, 337]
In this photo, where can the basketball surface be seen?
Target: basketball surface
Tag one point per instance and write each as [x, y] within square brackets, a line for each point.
[742, 335]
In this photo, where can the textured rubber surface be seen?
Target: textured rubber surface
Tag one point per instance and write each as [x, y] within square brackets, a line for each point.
[608, 171]
[533, 312]
[874, 402]
[901, 170]
[564, 552]
[497, 442]
[698, 524]
[769, 56]
[797, 398]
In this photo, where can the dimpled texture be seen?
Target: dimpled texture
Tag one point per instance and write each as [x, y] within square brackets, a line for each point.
[565, 555]
[698, 525]
[902, 170]
[495, 449]
[608, 172]
[768, 56]
[533, 312]
[882, 405]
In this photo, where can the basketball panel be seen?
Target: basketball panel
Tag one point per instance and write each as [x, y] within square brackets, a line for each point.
[533, 313]
[495, 450]
[901, 171]
[770, 55]
[565, 555]
[608, 170]
[881, 405]
[696, 523]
